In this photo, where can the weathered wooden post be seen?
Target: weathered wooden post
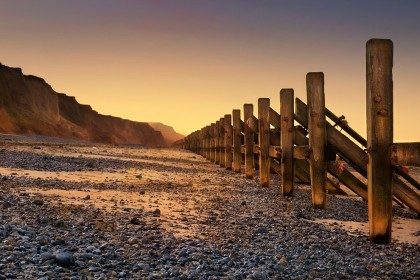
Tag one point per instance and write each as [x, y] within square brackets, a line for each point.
[249, 141]
[222, 142]
[228, 142]
[212, 143]
[237, 142]
[264, 140]
[317, 138]
[286, 141]
[202, 146]
[217, 143]
[379, 98]
[208, 141]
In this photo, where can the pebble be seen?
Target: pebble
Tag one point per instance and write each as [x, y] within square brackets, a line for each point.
[64, 259]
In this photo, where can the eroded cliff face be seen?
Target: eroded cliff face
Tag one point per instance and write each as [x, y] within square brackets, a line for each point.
[28, 105]
[168, 132]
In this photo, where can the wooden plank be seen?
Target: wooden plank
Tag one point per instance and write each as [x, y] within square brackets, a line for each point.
[275, 151]
[287, 141]
[301, 152]
[237, 140]
[252, 122]
[348, 179]
[340, 121]
[275, 166]
[264, 140]
[346, 148]
[357, 158]
[379, 114]
[341, 173]
[303, 174]
[301, 114]
[228, 142]
[249, 142]
[256, 150]
[274, 119]
[317, 138]
[405, 154]
[406, 176]
[274, 138]
[407, 195]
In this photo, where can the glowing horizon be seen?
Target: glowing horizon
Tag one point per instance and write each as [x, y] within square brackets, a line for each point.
[186, 64]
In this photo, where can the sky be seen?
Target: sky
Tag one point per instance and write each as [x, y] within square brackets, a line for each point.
[188, 63]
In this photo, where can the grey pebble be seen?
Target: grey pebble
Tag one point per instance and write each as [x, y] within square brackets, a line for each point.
[65, 259]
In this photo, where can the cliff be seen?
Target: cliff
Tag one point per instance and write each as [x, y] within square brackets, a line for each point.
[28, 105]
[168, 132]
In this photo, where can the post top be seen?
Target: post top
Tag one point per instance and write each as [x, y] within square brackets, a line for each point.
[379, 41]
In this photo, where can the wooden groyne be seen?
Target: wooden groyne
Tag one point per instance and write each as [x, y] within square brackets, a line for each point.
[303, 141]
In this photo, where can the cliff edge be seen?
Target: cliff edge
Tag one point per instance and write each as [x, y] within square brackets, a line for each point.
[29, 105]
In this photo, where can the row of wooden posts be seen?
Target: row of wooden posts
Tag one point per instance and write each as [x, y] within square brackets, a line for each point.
[272, 143]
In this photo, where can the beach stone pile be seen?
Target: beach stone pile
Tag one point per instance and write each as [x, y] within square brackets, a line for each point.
[228, 227]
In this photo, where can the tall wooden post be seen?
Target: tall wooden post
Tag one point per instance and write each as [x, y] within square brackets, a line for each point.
[264, 140]
[249, 141]
[204, 151]
[379, 98]
[208, 141]
[286, 141]
[222, 142]
[228, 142]
[212, 142]
[217, 143]
[317, 138]
[237, 142]
[202, 142]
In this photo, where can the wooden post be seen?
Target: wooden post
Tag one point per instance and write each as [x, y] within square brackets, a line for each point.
[202, 142]
[317, 138]
[208, 141]
[216, 140]
[249, 142]
[228, 142]
[212, 142]
[264, 140]
[222, 142]
[237, 143]
[379, 98]
[286, 140]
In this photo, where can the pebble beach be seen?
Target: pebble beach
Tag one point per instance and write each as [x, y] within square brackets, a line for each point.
[71, 210]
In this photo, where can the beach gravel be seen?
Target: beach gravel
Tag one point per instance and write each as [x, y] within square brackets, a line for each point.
[183, 218]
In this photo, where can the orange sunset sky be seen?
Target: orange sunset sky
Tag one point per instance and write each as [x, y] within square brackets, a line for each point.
[187, 63]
